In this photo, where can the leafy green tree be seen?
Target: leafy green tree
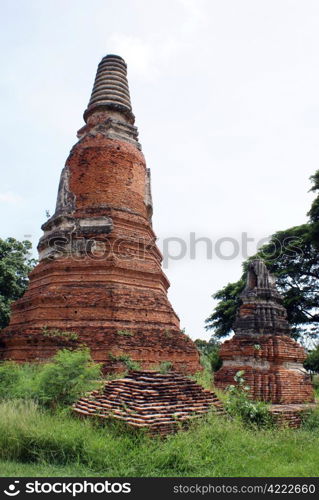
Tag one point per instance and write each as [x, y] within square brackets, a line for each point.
[311, 363]
[292, 256]
[210, 352]
[15, 265]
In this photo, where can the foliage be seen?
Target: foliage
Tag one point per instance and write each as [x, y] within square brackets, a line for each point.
[59, 382]
[9, 378]
[165, 366]
[209, 353]
[311, 363]
[125, 333]
[292, 256]
[126, 360]
[15, 265]
[68, 376]
[19, 380]
[238, 404]
[55, 332]
[311, 420]
[204, 378]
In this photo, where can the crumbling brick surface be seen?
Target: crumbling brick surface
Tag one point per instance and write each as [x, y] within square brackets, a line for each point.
[291, 415]
[272, 361]
[273, 368]
[152, 400]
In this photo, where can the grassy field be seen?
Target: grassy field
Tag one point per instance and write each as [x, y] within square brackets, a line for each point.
[35, 442]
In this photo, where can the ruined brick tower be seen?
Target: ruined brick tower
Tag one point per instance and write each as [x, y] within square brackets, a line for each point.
[272, 360]
[99, 273]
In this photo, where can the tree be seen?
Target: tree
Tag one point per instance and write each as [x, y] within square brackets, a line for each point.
[15, 265]
[311, 363]
[210, 352]
[292, 256]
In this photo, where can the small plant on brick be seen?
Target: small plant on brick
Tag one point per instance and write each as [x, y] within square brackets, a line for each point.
[125, 333]
[165, 366]
[55, 332]
[239, 404]
[186, 336]
[127, 360]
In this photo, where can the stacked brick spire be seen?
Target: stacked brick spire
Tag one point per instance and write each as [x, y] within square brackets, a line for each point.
[110, 88]
[99, 273]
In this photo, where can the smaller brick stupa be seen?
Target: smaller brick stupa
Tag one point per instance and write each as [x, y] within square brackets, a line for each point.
[271, 359]
[159, 402]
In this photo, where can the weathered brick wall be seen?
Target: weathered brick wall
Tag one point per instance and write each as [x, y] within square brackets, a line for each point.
[116, 285]
[273, 368]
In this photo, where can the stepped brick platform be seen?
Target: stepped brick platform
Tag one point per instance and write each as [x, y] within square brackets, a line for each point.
[291, 415]
[272, 361]
[151, 400]
[99, 273]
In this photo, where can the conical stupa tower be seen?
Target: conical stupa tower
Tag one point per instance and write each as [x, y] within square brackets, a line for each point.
[99, 274]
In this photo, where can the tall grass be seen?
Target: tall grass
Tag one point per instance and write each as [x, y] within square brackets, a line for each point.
[214, 447]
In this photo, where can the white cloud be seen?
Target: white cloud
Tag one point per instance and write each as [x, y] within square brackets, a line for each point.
[137, 53]
[11, 198]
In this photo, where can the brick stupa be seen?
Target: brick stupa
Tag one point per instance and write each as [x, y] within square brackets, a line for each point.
[262, 347]
[153, 400]
[99, 273]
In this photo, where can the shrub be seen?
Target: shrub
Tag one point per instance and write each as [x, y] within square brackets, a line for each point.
[59, 382]
[239, 404]
[70, 374]
[9, 377]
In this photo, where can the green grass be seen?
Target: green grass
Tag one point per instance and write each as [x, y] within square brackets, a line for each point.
[18, 469]
[37, 442]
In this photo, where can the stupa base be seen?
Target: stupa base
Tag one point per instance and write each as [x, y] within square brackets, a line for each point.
[272, 366]
[113, 348]
[291, 415]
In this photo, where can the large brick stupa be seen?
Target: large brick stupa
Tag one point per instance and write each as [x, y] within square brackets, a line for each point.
[99, 273]
[262, 346]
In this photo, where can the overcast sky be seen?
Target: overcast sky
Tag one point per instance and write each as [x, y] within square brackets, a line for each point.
[226, 100]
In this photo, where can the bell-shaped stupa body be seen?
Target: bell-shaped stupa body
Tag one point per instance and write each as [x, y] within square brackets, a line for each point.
[99, 274]
[262, 348]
